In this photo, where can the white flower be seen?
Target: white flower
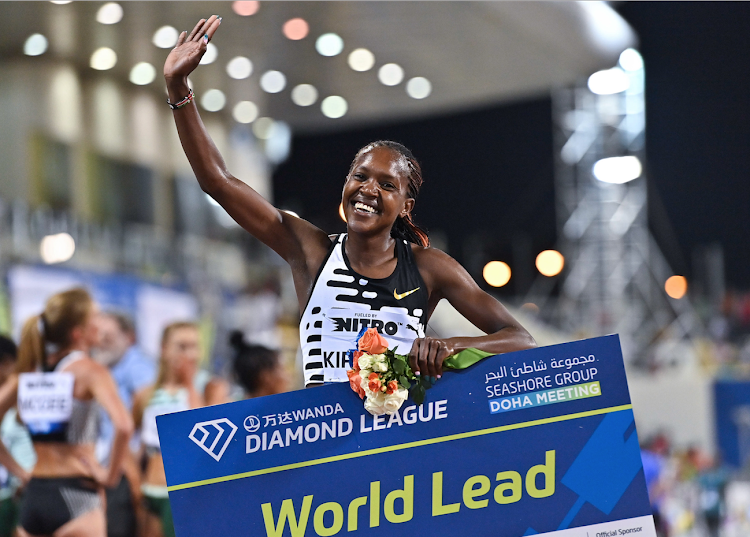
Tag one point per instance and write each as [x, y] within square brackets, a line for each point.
[394, 401]
[374, 403]
[364, 373]
[365, 361]
[374, 408]
[381, 367]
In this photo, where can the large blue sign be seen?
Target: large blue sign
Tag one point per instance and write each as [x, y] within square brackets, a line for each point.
[532, 442]
[732, 408]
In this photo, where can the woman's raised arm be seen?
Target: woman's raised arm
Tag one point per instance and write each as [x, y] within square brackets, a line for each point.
[300, 243]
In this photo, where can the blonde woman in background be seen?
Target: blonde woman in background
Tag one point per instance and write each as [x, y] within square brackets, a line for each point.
[57, 387]
[173, 391]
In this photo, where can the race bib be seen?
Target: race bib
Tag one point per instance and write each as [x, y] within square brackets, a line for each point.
[45, 401]
[149, 434]
[342, 326]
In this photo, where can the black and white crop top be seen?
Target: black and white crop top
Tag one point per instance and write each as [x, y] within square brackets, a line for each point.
[343, 302]
[48, 409]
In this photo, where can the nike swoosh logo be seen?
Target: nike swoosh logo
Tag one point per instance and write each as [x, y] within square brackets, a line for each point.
[402, 295]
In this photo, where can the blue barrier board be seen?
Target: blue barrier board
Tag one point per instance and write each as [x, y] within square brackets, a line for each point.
[541, 441]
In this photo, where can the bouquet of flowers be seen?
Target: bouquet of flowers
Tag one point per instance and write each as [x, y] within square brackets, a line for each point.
[383, 378]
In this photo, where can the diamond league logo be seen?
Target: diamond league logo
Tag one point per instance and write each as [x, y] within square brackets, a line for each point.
[209, 434]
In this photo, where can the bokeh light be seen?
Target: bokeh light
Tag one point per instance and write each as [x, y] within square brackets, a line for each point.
[676, 286]
[391, 74]
[109, 13]
[334, 106]
[631, 60]
[245, 8]
[263, 128]
[304, 95]
[296, 29]
[165, 37]
[57, 248]
[418, 87]
[617, 170]
[213, 100]
[35, 45]
[273, 81]
[103, 58]
[245, 112]
[496, 273]
[361, 59]
[239, 67]
[329, 44]
[550, 263]
[142, 73]
[609, 81]
[210, 55]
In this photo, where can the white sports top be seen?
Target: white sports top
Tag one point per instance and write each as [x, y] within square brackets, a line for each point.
[343, 303]
[48, 409]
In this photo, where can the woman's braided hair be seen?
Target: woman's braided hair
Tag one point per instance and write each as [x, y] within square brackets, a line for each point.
[404, 228]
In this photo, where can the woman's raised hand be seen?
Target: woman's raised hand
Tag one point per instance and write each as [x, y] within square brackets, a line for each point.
[190, 48]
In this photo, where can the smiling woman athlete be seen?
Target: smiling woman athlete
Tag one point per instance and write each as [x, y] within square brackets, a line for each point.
[380, 273]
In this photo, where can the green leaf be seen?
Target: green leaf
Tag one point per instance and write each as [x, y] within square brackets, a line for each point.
[399, 367]
[417, 394]
[404, 382]
[426, 384]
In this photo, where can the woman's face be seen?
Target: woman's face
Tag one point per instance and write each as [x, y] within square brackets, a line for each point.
[275, 380]
[376, 191]
[181, 353]
[86, 335]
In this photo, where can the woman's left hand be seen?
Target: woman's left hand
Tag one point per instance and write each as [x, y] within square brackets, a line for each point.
[427, 356]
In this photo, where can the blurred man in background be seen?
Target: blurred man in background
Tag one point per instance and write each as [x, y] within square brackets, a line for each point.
[16, 438]
[132, 371]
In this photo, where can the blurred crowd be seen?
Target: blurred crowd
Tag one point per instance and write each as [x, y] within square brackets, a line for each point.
[137, 503]
[693, 494]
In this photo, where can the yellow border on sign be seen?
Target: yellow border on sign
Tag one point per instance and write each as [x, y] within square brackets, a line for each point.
[398, 447]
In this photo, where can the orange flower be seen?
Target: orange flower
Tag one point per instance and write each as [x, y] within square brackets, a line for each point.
[355, 359]
[355, 382]
[374, 382]
[372, 342]
[392, 387]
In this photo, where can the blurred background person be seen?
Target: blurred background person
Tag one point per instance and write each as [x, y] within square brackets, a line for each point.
[16, 438]
[132, 370]
[174, 390]
[258, 369]
[63, 493]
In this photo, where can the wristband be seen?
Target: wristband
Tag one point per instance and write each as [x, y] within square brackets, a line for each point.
[183, 102]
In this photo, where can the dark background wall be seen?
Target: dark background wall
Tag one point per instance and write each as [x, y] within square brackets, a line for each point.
[488, 191]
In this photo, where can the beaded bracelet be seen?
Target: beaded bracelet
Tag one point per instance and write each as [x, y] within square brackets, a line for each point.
[183, 102]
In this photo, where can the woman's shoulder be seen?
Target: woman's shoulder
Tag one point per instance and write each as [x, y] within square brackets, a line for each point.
[85, 367]
[431, 258]
[434, 265]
